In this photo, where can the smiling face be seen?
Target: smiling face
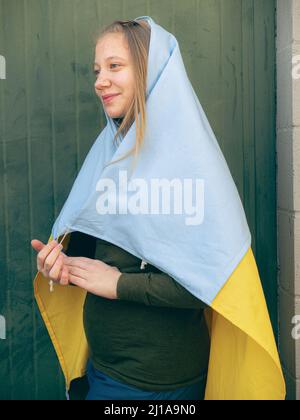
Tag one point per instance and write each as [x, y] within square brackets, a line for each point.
[115, 74]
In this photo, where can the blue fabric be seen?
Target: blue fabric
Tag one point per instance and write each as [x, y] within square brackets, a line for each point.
[199, 250]
[103, 387]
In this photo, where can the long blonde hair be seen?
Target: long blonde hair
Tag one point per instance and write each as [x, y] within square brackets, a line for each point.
[137, 35]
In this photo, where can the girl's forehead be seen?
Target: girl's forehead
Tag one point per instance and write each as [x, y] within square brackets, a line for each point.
[112, 47]
[110, 42]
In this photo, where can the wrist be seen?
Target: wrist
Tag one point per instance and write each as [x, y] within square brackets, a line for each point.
[115, 275]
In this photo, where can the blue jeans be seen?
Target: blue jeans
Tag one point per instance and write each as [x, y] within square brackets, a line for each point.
[103, 387]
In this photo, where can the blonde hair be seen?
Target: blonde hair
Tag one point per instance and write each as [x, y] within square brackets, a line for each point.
[137, 35]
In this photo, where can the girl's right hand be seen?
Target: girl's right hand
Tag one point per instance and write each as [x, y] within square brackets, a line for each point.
[51, 261]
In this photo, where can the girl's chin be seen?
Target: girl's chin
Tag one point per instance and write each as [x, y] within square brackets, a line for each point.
[114, 114]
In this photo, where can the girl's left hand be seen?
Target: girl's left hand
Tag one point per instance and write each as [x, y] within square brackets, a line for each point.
[94, 276]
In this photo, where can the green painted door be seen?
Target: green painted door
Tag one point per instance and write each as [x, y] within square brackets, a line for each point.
[50, 116]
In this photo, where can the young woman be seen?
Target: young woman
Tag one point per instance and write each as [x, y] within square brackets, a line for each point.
[144, 276]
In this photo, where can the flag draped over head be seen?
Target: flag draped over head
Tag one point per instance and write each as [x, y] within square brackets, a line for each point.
[179, 210]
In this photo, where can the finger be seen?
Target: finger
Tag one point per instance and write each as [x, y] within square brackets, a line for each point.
[78, 281]
[52, 257]
[54, 273]
[42, 255]
[77, 271]
[64, 278]
[37, 245]
[81, 262]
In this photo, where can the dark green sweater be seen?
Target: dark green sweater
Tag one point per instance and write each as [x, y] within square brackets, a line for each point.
[154, 335]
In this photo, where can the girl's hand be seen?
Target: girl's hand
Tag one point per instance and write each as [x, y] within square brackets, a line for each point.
[51, 261]
[94, 276]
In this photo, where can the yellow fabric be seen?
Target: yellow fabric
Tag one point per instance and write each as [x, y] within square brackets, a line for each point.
[62, 312]
[244, 362]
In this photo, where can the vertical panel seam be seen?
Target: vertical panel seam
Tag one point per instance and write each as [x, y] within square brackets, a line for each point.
[254, 119]
[52, 89]
[29, 175]
[5, 189]
[76, 87]
[243, 92]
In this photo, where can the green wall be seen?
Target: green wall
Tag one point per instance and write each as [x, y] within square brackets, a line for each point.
[50, 116]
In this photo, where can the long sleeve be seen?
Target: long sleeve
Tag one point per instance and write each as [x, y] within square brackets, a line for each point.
[151, 288]
[156, 289]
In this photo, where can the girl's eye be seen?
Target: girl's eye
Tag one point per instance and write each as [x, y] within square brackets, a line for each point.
[96, 72]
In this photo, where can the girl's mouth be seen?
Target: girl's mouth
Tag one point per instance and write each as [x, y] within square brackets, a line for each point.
[108, 99]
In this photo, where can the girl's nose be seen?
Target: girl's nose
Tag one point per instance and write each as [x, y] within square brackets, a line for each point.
[102, 82]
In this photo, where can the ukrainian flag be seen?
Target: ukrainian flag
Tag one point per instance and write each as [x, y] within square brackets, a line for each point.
[212, 259]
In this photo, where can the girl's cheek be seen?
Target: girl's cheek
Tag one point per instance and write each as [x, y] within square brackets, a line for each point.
[124, 78]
